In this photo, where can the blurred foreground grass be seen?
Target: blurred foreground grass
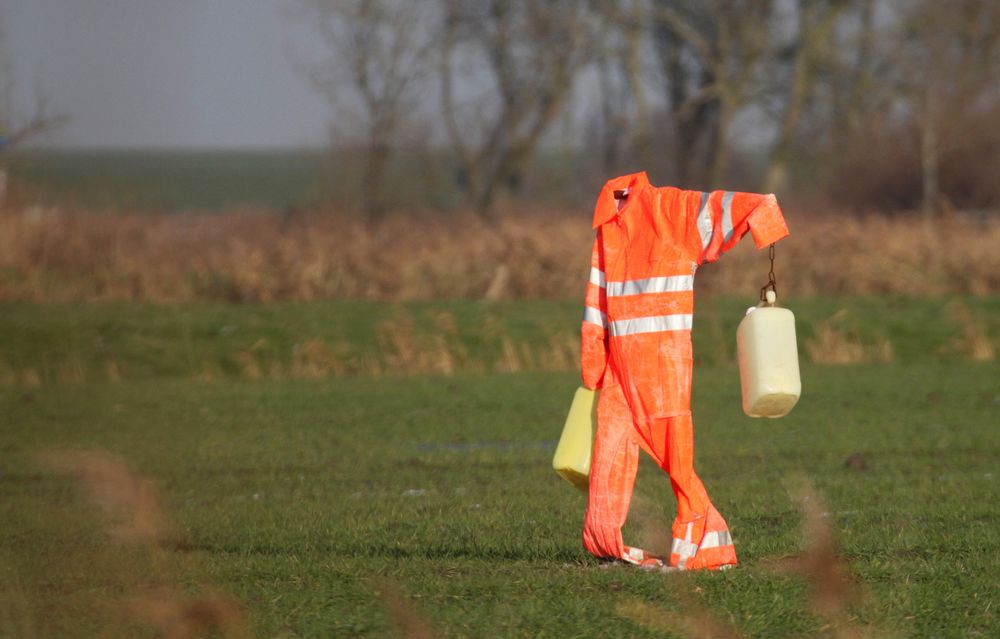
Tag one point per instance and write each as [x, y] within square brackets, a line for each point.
[302, 499]
[49, 344]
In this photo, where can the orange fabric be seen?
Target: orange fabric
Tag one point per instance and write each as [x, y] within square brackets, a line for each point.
[594, 344]
[651, 304]
[636, 345]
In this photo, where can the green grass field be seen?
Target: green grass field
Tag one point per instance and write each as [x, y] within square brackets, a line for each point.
[304, 499]
[172, 180]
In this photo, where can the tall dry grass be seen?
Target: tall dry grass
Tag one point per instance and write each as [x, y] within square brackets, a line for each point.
[834, 344]
[67, 255]
[974, 342]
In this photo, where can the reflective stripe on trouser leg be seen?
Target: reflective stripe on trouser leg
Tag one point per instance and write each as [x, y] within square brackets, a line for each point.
[669, 442]
[683, 549]
[716, 538]
[715, 548]
[700, 536]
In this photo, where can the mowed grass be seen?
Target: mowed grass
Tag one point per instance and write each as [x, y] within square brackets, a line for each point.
[293, 496]
[306, 499]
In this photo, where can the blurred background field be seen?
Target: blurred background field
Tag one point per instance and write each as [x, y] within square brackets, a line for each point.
[168, 180]
[290, 298]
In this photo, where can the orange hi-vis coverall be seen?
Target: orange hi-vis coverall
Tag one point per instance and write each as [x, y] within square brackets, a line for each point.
[636, 347]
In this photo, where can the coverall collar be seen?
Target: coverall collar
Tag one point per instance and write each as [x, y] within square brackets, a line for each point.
[607, 207]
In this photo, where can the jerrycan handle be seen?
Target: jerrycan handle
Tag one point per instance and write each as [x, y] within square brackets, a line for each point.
[769, 292]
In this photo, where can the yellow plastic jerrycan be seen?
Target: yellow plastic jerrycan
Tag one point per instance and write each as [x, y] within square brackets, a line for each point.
[573, 453]
[769, 360]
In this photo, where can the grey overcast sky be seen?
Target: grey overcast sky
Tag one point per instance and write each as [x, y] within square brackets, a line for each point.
[167, 73]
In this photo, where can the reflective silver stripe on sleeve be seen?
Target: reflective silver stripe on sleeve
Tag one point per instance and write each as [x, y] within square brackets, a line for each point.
[727, 216]
[715, 539]
[597, 277]
[594, 316]
[669, 284]
[705, 221]
[655, 324]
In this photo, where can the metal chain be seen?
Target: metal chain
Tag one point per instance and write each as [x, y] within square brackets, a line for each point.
[771, 282]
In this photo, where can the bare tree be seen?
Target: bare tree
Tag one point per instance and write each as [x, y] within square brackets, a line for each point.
[950, 60]
[859, 65]
[16, 128]
[810, 50]
[530, 52]
[615, 91]
[711, 51]
[613, 130]
[380, 56]
[691, 112]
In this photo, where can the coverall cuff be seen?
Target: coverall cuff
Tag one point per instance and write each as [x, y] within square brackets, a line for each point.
[592, 384]
[766, 223]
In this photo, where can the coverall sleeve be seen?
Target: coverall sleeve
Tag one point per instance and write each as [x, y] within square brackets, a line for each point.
[724, 217]
[594, 345]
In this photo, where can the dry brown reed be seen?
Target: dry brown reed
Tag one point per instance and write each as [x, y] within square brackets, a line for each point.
[177, 617]
[404, 348]
[694, 622]
[835, 343]
[406, 620]
[831, 587]
[68, 255]
[129, 500]
[314, 359]
[652, 528]
[17, 619]
[136, 517]
[974, 342]
[559, 353]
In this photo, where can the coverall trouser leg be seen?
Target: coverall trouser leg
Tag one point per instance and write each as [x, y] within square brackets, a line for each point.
[700, 535]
